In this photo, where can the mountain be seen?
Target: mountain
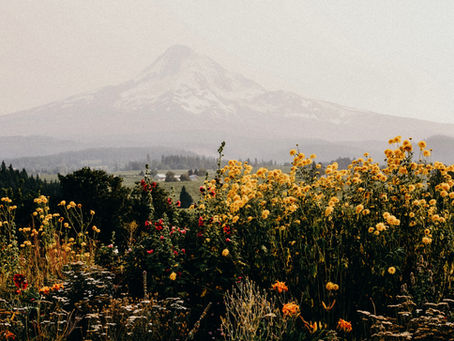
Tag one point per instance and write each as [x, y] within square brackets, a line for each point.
[188, 101]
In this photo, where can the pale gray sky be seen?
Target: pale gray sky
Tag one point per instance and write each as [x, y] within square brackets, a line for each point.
[388, 56]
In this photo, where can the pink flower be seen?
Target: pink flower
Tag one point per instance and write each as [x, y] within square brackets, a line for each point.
[150, 251]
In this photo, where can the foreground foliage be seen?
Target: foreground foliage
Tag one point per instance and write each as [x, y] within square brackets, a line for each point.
[264, 255]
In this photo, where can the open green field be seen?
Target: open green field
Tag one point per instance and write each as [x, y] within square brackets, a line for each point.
[130, 178]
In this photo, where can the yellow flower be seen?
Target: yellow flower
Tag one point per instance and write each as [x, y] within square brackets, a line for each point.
[293, 152]
[173, 276]
[391, 270]
[332, 286]
[329, 210]
[265, 214]
[426, 240]
[92, 212]
[422, 145]
[426, 153]
[225, 252]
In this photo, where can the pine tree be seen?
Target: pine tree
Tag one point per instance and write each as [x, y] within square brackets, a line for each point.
[185, 198]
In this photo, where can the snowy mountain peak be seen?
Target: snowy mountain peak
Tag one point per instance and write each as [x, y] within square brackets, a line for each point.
[169, 63]
[195, 82]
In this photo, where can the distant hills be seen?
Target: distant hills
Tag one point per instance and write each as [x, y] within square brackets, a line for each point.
[186, 101]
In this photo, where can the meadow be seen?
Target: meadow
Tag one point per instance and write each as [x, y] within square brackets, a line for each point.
[313, 253]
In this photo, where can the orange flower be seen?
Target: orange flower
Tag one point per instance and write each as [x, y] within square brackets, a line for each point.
[291, 309]
[279, 286]
[57, 286]
[344, 326]
[9, 336]
[312, 327]
[328, 307]
[45, 290]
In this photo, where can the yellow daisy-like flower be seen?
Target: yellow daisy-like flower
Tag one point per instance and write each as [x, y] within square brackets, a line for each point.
[265, 214]
[426, 240]
[391, 270]
[225, 252]
[173, 276]
[359, 208]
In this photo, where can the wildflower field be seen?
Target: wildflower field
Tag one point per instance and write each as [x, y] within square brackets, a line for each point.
[316, 253]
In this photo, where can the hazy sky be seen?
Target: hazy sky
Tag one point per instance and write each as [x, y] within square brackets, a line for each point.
[388, 56]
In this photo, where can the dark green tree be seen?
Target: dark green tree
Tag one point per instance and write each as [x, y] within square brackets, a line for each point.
[22, 189]
[96, 190]
[185, 198]
[185, 177]
[170, 177]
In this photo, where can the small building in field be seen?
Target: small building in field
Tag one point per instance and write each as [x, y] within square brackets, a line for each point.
[160, 177]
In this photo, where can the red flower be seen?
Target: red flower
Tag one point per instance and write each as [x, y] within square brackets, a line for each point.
[150, 251]
[178, 203]
[200, 221]
[19, 281]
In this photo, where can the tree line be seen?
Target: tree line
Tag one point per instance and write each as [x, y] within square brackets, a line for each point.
[115, 205]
